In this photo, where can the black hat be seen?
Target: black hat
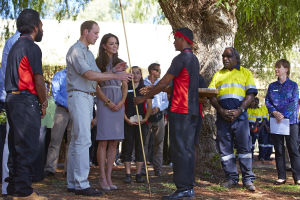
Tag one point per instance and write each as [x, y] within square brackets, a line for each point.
[186, 33]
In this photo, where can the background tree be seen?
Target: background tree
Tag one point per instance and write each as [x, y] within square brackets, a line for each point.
[261, 30]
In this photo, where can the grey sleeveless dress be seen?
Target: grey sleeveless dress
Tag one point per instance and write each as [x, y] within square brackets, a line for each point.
[110, 125]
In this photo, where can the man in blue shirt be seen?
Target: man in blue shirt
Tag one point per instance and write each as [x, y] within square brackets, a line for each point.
[156, 126]
[8, 44]
[62, 121]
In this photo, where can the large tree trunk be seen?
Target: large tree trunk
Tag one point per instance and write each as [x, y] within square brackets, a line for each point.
[214, 29]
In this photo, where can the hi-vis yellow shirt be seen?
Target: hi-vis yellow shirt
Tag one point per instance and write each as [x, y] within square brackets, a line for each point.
[233, 86]
[264, 113]
[258, 113]
[252, 114]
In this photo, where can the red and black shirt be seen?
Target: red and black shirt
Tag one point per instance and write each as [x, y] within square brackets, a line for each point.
[24, 60]
[184, 98]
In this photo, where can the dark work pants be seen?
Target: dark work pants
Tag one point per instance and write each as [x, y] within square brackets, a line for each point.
[254, 137]
[182, 147]
[2, 137]
[132, 140]
[293, 150]
[38, 163]
[24, 118]
[230, 135]
[265, 144]
[94, 146]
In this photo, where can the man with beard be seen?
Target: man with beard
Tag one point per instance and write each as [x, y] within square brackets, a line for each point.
[26, 103]
[236, 91]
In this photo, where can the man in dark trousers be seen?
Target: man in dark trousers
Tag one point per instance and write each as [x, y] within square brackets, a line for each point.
[26, 103]
[236, 91]
[183, 112]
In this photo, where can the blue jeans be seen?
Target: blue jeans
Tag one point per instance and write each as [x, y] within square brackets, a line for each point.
[81, 111]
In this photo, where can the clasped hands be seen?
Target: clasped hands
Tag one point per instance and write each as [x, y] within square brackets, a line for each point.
[230, 115]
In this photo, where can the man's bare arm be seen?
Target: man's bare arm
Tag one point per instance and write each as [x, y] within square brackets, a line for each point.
[247, 101]
[98, 76]
[39, 83]
[163, 83]
[160, 86]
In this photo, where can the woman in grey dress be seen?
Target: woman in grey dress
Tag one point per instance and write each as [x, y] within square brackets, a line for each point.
[110, 110]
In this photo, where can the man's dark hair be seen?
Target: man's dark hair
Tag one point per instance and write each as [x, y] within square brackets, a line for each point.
[27, 21]
[236, 54]
[87, 25]
[152, 66]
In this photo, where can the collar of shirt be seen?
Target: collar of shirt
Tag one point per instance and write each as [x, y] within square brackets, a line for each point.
[26, 36]
[148, 82]
[238, 67]
[286, 81]
[187, 49]
[82, 45]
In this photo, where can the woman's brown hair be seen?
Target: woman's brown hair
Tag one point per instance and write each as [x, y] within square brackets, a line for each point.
[284, 63]
[102, 59]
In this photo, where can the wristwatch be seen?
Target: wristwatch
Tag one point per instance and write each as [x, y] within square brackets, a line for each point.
[107, 102]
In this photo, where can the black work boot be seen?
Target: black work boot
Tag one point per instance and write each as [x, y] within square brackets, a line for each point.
[139, 178]
[127, 178]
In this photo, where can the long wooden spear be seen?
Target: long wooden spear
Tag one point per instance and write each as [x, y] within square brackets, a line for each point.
[134, 94]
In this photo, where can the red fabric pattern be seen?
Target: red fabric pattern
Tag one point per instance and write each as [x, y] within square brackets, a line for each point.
[26, 78]
[180, 99]
[201, 110]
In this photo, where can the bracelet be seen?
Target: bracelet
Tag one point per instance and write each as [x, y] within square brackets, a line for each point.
[107, 102]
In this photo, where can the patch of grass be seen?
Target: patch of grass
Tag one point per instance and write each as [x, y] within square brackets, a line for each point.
[288, 188]
[170, 186]
[282, 188]
[161, 190]
[58, 182]
[217, 188]
[266, 187]
[141, 187]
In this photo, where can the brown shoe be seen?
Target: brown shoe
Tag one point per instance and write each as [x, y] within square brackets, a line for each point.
[33, 196]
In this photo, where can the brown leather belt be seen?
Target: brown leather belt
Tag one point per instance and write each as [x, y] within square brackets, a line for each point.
[89, 93]
[18, 92]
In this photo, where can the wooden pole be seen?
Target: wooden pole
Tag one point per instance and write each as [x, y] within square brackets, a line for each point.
[136, 107]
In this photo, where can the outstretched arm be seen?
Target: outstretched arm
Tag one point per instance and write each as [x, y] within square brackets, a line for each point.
[160, 86]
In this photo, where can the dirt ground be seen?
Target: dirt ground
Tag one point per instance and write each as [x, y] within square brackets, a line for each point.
[55, 187]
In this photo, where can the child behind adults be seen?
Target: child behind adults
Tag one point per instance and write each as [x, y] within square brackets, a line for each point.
[131, 128]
